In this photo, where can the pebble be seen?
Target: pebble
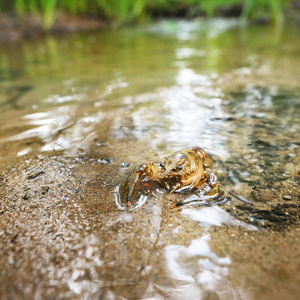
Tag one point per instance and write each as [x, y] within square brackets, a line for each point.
[263, 195]
[104, 160]
[286, 197]
[33, 176]
[125, 164]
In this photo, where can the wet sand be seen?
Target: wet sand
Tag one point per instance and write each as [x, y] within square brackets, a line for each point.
[62, 236]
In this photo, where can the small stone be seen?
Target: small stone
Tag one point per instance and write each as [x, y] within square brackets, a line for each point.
[35, 175]
[263, 195]
[104, 160]
[287, 197]
[125, 164]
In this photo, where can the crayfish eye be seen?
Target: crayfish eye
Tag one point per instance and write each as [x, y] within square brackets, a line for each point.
[178, 168]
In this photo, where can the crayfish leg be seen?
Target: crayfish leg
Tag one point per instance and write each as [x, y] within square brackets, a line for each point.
[212, 179]
[205, 196]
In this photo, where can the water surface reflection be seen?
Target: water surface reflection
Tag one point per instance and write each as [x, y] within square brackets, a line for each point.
[198, 271]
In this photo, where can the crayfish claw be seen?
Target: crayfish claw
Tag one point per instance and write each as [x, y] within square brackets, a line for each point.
[128, 187]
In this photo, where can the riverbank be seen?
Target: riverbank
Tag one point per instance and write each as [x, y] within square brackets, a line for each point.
[14, 29]
[31, 26]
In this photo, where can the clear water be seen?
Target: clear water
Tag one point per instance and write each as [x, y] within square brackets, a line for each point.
[76, 110]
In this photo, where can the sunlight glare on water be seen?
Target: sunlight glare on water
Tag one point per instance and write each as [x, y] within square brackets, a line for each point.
[214, 216]
[167, 98]
[198, 270]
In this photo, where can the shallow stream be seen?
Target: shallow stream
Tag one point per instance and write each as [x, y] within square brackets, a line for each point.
[78, 112]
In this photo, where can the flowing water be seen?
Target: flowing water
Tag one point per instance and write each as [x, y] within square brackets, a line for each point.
[78, 112]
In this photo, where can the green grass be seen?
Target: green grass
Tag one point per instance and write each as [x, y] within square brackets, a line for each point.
[274, 7]
[125, 11]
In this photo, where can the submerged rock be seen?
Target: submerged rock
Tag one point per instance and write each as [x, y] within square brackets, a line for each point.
[287, 197]
[263, 195]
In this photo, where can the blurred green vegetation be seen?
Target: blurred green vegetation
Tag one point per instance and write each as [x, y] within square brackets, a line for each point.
[126, 11]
